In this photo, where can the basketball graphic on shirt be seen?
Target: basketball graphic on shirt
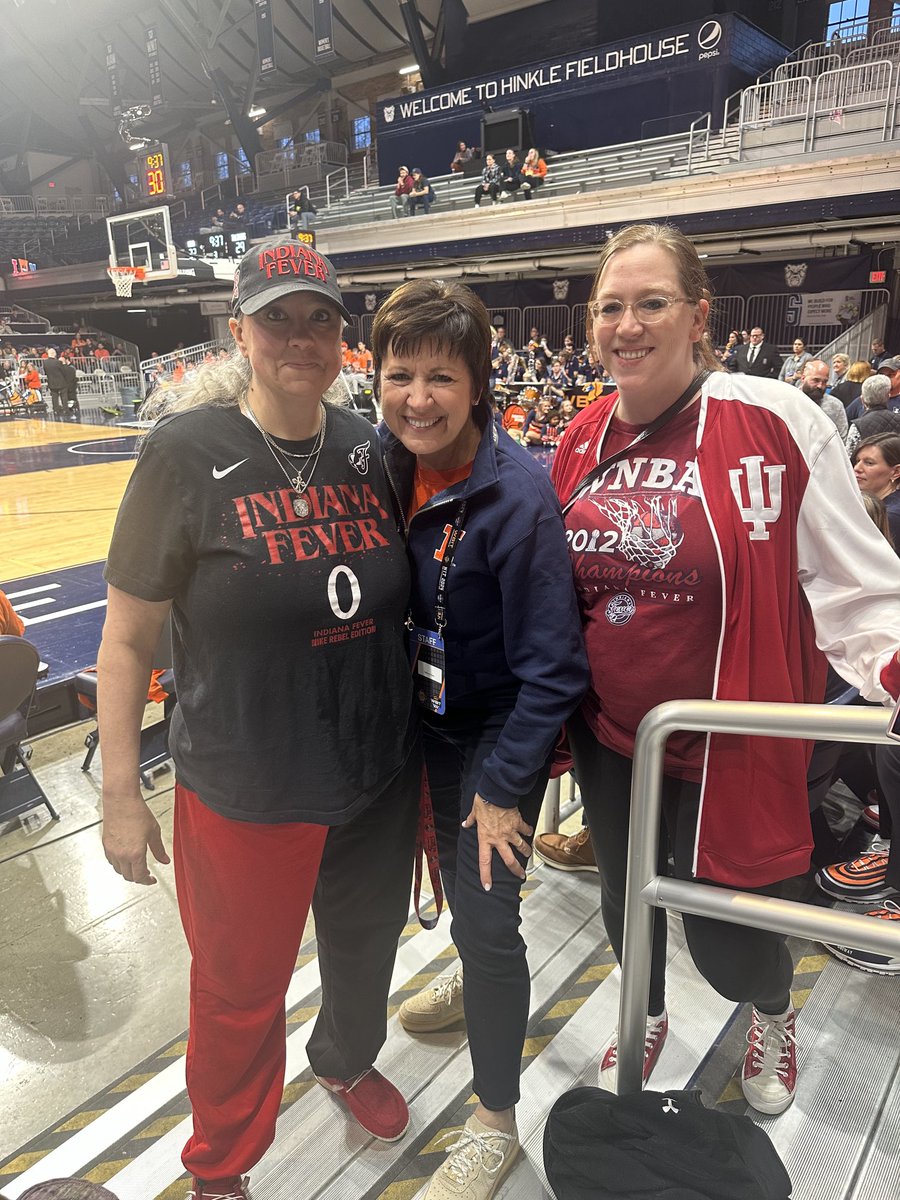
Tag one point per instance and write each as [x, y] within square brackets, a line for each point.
[649, 530]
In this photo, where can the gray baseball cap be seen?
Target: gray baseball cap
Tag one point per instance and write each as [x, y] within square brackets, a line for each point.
[281, 265]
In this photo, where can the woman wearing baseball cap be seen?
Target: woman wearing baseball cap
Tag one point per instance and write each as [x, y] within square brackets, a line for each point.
[258, 520]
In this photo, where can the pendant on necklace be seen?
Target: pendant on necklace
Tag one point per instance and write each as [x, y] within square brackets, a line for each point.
[300, 506]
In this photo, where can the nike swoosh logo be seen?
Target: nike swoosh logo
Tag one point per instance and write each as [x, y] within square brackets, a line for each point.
[217, 474]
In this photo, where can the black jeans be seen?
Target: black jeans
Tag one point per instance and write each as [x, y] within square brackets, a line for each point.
[493, 190]
[485, 925]
[360, 912]
[741, 963]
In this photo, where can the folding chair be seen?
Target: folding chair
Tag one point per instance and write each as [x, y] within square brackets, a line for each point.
[19, 789]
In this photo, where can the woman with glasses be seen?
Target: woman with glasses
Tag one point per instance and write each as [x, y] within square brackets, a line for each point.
[717, 539]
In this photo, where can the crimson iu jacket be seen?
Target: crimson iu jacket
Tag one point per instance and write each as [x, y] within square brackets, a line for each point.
[805, 576]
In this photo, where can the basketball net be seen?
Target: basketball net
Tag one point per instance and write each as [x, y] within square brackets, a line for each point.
[124, 278]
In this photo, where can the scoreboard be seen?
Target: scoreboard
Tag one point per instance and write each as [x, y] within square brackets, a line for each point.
[155, 173]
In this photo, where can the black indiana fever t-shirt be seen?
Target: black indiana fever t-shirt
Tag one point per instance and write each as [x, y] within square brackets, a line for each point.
[294, 689]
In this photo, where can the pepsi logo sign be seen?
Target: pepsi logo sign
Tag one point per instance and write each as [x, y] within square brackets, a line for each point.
[710, 35]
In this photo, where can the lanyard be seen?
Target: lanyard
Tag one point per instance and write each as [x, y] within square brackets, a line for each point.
[663, 419]
[440, 611]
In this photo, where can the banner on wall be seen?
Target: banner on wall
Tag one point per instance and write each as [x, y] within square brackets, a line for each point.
[265, 37]
[681, 47]
[323, 29]
[154, 69]
[112, 74]
[824, 308]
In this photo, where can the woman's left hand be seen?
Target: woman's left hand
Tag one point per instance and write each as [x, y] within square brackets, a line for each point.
[499, 829]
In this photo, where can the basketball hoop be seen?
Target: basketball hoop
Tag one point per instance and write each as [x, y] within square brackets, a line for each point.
[124, 278]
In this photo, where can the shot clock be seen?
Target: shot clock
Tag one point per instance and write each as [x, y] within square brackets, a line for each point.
[154, 174]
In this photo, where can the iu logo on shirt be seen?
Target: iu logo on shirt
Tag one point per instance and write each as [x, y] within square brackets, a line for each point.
[757, 508]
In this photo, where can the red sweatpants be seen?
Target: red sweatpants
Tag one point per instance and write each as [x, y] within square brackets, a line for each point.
[244, 892]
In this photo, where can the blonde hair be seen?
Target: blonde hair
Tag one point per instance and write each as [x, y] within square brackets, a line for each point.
[222, 383]
[691, 273]
[859, 371]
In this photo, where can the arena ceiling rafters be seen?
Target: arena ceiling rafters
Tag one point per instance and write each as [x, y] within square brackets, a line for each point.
[54, 84]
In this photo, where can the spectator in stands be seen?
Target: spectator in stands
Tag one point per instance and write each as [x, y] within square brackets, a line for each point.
[295, 784]
[558, 380]
[218, 219]
[422, 193]
[891, 368]
[57, 383]
[879, 354]
[850, 386]
[463, 155]
[510, 175]
[536, 429]
[757, 357]
[11, 624]
[534, 171]
[876, 465]
[238, 218]
[813, 382]
[400, 198]
[5, 327]
[491, 175]
[537, 342]
[840, 364]
[488, 753]
[829, 580]
[792, 367]
[102, 356]
[302, 210]
[877, 418]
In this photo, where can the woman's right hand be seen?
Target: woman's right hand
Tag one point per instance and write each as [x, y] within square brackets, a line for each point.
[129, 830]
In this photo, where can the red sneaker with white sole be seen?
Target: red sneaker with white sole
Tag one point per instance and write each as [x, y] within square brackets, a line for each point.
[657, 1030]
[374, 1101]
[769, 1077]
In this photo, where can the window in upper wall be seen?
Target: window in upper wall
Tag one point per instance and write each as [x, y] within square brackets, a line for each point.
[846, 10]
[362, 133]
[243, 160]
[221, 164]
[187, 175]
[313, 135]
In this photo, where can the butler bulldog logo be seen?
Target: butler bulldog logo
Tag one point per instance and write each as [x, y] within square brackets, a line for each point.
[359, 458]
[371, 301]
[795, 274]
[560, 289]
[388, 113]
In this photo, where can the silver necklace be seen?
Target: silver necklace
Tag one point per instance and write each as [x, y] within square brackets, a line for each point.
[299, 485]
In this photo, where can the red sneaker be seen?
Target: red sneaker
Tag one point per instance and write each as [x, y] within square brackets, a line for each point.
[374, 1102]
[232, 1188]
[769, 1077]
[657, 1029]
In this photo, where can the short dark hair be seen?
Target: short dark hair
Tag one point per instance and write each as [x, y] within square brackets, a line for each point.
[448, 316]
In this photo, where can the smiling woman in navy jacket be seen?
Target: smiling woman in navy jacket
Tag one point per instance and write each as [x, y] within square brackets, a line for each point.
[488, 550]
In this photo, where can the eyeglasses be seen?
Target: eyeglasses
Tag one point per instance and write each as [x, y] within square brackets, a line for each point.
[647, 311]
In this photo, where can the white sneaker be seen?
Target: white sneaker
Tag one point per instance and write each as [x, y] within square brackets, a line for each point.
[504, 195]
[769, 1076]
[435, 1007]
[657, 1031]
[476, 1163]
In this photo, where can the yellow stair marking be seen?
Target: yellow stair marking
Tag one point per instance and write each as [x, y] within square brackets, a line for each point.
[177, 1050]
[440, 1141]
[134, 1081]
[104, 1171]
[566, 1008]
[598, 973]
[293, 1091]
[812, 962]
[401, 1189]
[24, 1161]
[302, 1014]
[80, 1120]
[799, 996]
[534, 1045]
[733, 1091]
[161, 1126]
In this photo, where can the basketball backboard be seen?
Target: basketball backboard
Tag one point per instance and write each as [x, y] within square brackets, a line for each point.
[143, 239]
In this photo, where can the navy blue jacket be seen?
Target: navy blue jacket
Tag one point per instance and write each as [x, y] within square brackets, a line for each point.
[513, 635]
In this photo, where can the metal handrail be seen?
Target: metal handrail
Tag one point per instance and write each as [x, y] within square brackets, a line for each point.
[646, 890]
[342, 172]
[702, 125]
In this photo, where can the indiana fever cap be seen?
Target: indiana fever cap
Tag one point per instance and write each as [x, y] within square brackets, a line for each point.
[279, 266]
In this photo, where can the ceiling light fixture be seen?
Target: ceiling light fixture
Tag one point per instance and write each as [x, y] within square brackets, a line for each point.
[256, 111]
[409, 70]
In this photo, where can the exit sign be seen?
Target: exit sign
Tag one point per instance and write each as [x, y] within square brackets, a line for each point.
[877, 276]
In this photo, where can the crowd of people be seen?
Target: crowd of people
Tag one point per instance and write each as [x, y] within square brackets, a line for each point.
[441, 532]
[499, 180]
